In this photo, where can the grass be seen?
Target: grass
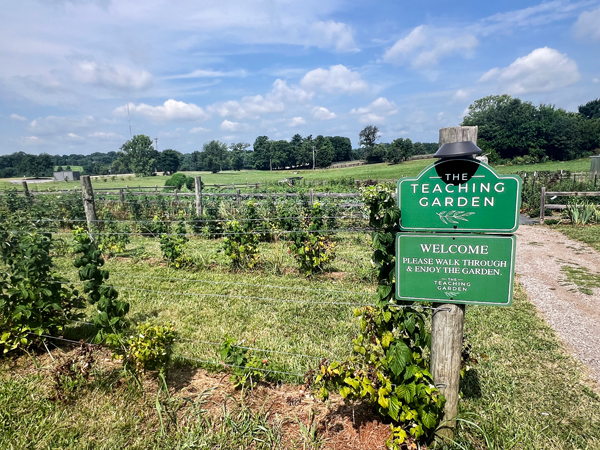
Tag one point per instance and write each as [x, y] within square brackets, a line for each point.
[381, 171]
[581, 277]
[525, 392]
[588, 234]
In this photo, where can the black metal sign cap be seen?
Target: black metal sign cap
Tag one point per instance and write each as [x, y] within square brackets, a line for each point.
[457, 149]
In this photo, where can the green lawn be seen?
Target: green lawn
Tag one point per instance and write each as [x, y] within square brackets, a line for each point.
[381, 171]
[589, 234]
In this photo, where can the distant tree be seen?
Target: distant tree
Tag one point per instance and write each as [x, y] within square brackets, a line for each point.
[304, 156]
[59, 168]
[296, 150]
[281, 154]
[367, 139]
[325, 151]
[262, 153]
[342, 148]
[139, 155]
[169, 161]
[399, 150]
[591, 110]
[238, 153]
[68, 168]
[215, 155]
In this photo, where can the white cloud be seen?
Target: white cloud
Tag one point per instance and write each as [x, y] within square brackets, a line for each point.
[336, 79]
[75, 137]
[425, 46]
[376, 111]
[252, 107]
[199, 130]
[543, 70]
[333, 34]
[297, 121]
[170, 110]
[57, 125]
[201, 73]
[322, 113]
[227, 125]
[17, 117]
[461, 95]
[588, 25]
[113, 76]
[103, 136]
[596, 80]
[371, 118]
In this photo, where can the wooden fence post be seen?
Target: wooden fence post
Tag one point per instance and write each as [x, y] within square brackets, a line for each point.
[542, 205]
[87, 193]
[198, 185]
[447, 325]
[25, 188]
[239, 198]
[176, 196]
[122, 195]
[312, 197]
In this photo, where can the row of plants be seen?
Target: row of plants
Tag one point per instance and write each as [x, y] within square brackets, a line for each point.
[388, 364]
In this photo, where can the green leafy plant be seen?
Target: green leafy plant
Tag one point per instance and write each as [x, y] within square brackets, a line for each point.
[240, 245]
[148, 348]
[313, 249]
[582, 213]
[110, 318]
[34, 300]
[388, 365]
[245, 367]
[173, 246]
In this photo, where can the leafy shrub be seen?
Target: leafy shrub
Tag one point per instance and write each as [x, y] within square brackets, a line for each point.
[240, 245]
[243, 365]
[313, 250]
[173, 246]
[178, 180]
[113, 237]
[148, 348]
[110, 317]
[388, 366]
[581, 213]
[33, 299]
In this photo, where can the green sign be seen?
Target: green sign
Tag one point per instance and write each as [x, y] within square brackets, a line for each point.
[451, 268]
[463, 195]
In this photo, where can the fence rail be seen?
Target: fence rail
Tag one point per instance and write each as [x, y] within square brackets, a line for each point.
[544, 194]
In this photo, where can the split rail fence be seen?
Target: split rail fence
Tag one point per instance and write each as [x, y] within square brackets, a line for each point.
[544, 206]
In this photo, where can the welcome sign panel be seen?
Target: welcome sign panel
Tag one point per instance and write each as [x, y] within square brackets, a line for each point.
[450, 268]
[463, 195]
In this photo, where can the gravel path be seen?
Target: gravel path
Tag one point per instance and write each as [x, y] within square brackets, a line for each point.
[542, 256]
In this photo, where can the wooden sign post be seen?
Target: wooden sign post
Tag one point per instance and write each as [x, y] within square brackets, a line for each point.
[455, 197]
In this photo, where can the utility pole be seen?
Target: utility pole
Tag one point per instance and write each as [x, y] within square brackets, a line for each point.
[313, 157]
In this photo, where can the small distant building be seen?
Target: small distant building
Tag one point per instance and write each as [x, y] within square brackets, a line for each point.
[66, 175]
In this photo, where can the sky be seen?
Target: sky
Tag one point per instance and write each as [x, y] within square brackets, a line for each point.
[83, 76]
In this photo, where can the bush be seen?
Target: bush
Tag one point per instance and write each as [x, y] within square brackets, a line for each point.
[179, 180]
[148, 348]
[34, 301]
[173, 245]
[240, 245]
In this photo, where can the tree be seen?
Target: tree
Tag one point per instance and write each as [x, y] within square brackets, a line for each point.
[238, 153]
[139, 155]
[325, 151]
[399, 150]
[591, 110]
[281, 154]
[215, 154]
[169, 161]
[368, 136]
[367, 139]
[342, 148]
[262, 153]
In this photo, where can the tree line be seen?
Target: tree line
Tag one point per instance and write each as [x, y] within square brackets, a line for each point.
[512, 130]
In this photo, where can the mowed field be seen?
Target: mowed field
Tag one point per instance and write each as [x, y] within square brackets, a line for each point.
[381, 171]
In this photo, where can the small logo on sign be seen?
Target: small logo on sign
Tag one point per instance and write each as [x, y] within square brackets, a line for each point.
[454, 216]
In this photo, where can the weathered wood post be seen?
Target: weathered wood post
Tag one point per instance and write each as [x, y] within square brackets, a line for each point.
[122, 195]
[25, 188]
[447, 325]
[312, 197]
[176, 196]
[198, 186]
[239, 197]
[542, 205]
[87, 193]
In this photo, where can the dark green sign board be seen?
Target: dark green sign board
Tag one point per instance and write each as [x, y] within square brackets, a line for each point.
[451, 268]
[461, 195]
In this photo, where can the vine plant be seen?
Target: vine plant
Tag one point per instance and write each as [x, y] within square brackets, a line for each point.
[110, 318]
[388, 365]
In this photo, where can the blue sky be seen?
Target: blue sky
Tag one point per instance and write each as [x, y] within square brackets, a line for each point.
[189, 71]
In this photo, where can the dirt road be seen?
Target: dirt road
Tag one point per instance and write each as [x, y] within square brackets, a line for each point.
[558, 275]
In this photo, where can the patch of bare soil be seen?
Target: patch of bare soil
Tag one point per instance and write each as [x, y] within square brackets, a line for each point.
[542, 257]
